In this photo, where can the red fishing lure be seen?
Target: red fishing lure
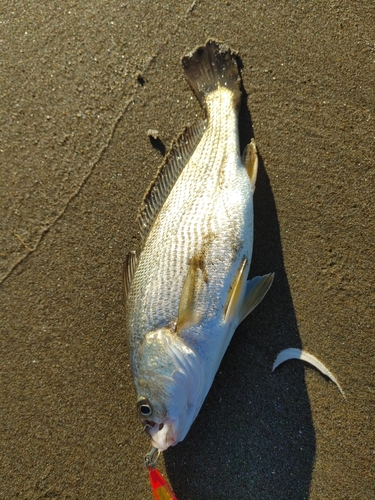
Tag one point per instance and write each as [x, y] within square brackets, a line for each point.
[160, 487]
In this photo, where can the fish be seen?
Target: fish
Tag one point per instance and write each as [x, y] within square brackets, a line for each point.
[187, 289]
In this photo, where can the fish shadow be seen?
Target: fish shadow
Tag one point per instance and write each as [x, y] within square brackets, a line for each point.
[254, 436]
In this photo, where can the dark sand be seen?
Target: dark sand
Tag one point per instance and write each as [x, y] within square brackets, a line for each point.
[81, 83]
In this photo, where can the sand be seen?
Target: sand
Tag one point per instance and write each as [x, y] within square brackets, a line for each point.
[81, 84]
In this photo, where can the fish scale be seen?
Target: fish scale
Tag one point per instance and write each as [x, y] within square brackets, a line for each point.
[192, 202]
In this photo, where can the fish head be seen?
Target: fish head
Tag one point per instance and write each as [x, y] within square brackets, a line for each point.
[169, 384]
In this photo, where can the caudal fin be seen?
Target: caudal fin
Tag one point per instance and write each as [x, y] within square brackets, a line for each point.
[210, 67]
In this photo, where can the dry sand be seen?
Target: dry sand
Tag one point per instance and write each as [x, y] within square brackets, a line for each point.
[81, 84]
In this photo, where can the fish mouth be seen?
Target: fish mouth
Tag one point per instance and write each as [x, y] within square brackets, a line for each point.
[150, 424]
[163, 434]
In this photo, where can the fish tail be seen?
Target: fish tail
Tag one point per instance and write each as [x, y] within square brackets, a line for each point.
[210, 67]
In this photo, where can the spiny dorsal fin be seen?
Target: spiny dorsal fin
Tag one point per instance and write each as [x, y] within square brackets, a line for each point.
[128, 271]
[181, 150]
[212, 66]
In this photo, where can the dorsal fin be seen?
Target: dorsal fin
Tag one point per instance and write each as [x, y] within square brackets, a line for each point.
[128, 271]
[181, 150]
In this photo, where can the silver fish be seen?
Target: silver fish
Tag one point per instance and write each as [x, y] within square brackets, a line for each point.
[188, 291]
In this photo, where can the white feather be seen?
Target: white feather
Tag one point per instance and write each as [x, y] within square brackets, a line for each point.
[293, 353]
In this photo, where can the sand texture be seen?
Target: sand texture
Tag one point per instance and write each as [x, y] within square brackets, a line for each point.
[81, 83]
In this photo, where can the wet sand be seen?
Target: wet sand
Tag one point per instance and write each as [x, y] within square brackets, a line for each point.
[81, 84]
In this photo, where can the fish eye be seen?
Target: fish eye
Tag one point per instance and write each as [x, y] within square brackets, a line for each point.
[144, 408]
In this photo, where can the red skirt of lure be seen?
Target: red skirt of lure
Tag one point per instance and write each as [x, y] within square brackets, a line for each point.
[160, 487]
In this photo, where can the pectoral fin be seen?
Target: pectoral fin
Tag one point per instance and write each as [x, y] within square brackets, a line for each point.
[187, 311]
[256, 289]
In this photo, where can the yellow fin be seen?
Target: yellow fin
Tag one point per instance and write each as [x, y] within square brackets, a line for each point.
[250, 160]
[187, 313]
[232, 303]
[256, 289]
